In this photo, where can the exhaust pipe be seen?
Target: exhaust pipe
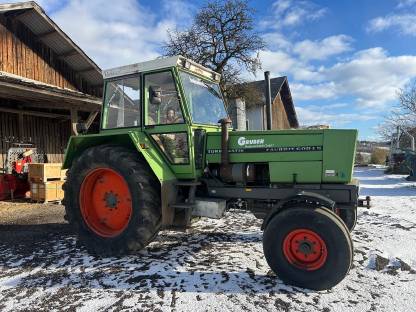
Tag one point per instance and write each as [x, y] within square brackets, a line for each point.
[225, 169]
[268, 101]
[232, 172]
[225, 157]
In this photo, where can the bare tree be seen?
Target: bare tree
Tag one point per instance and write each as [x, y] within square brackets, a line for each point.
[222, 38]
[407, 100]
[403, 114]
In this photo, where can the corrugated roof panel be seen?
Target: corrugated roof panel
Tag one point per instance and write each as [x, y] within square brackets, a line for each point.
[77, 62]
[34, 17]
[56, 43]
[93, 76]
[35, 22]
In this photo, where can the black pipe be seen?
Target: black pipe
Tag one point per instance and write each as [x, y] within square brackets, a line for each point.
[225, 157]
[226, 168]
[268, 101]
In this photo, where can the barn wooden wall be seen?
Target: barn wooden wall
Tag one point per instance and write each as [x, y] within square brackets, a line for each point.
[50, 135]
[23, 54]
[279, 115]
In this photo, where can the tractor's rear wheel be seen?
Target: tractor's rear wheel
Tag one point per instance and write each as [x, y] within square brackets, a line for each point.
[112, 200]
[308, 247]
[349, 216]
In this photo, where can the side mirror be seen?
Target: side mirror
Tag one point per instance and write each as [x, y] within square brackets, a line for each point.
[155, 95]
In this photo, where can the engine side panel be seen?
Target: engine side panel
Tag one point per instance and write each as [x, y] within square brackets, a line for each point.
[303, 156]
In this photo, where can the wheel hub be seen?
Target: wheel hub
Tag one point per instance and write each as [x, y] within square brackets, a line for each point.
[105, 202]
[111, 200]
[305, 249]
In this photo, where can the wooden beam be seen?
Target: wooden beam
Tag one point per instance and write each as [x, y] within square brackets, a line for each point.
[90, 119]
[21, 126]
[46, 34]
[21, 90]
[74, 121]
[24, 13]
[69, 53]
[32, 113]
[55, 106]
[85, 70]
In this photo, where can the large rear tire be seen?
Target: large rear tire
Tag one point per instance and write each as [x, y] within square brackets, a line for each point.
[308, 247]
[112, 200]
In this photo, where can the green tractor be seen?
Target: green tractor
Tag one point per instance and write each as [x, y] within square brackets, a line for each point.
[166, 153]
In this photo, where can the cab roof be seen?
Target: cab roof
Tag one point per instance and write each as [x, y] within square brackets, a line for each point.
[161, 63]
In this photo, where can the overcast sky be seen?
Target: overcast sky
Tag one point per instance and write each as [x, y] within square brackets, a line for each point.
[345, 59]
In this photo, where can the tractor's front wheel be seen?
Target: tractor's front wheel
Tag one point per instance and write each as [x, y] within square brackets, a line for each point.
[112, 200]
[308, 247]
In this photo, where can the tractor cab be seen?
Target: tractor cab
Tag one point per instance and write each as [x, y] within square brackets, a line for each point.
[174, 101]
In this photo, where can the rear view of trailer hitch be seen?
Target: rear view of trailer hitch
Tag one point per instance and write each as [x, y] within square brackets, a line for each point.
[366, 203]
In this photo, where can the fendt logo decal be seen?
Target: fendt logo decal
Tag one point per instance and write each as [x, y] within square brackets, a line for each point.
[242, 141]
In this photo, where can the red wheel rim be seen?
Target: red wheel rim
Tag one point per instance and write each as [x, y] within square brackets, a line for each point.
[105, 201]
[305, 249]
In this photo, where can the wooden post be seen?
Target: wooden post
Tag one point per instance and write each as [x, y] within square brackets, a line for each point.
[90, 119]
[74, 121]
[21, 126]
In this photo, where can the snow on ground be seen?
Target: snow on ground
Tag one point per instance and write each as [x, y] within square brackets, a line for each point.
[217, 265]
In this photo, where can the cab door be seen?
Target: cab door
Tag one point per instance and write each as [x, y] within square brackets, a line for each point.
[165, 121]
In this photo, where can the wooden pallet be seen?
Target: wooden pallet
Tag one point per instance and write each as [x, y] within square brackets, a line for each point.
[39, 173]
[46, 192]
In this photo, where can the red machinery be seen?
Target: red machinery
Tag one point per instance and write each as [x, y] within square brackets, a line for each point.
[14, 182]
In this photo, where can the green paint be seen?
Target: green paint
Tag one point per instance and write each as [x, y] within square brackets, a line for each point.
[296, 171]
[328, 149]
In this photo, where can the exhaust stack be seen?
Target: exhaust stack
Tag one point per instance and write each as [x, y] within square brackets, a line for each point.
[268, 101]
[225, 157]
[226, 168]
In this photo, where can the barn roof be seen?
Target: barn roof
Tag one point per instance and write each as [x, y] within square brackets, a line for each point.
[34, 18]
[278, 85]
[19, 88]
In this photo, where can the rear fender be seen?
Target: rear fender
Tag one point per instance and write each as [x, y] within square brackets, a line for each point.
[309, 198]
[139, 142]
[132, 140]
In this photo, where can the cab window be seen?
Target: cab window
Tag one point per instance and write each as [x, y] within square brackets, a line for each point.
[163, 105]
[122, 103]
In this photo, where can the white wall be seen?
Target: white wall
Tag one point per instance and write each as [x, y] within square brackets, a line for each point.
[255, 118]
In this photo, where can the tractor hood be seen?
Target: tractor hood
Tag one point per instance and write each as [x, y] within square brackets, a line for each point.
[311, 156]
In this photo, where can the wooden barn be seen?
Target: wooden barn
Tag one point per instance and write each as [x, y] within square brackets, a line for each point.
[47, 83]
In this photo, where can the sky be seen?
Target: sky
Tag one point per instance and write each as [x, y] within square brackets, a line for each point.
[345, 60]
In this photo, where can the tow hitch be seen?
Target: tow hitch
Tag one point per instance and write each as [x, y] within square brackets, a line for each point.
[366, 203]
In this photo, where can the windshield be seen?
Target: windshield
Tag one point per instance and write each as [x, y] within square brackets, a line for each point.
[204, 99]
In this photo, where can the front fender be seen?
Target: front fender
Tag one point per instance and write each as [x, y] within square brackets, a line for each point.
[309, 198]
